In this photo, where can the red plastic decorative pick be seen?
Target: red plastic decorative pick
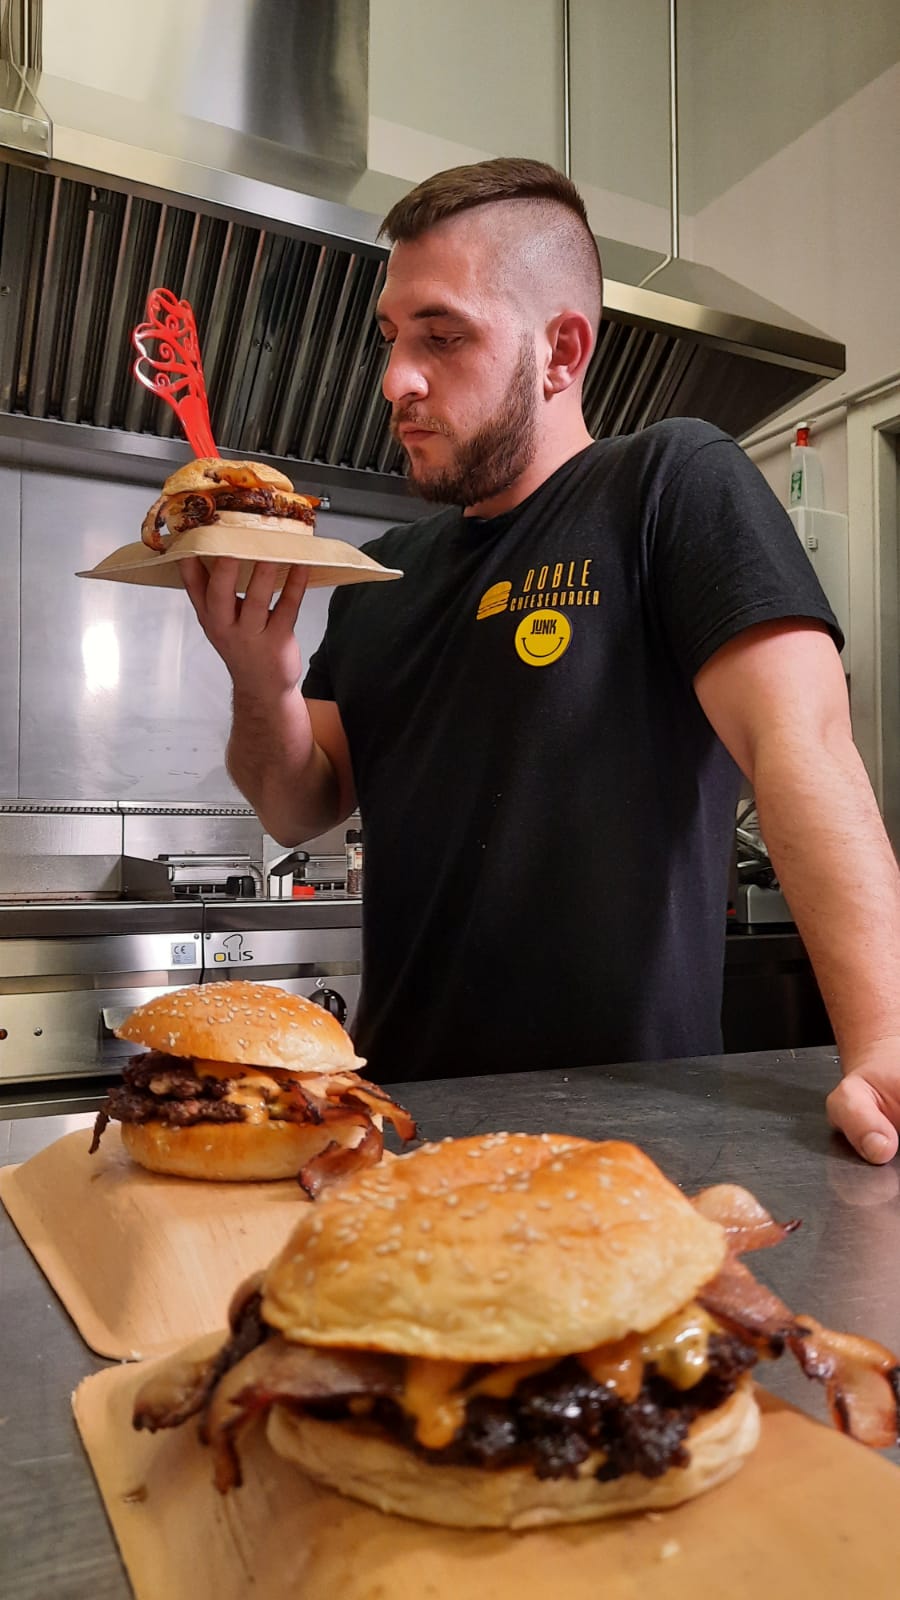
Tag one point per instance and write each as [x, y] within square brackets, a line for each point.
[175, 371]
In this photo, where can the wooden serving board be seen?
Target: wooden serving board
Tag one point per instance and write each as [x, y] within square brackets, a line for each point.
[328, 561]
[141, 1262]
[812, 1516]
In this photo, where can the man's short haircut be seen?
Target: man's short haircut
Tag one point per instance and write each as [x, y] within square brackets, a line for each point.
[447, 194]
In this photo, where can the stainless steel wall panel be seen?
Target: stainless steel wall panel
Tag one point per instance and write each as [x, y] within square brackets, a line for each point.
[121, 694]
[152, 836]
[9, 631]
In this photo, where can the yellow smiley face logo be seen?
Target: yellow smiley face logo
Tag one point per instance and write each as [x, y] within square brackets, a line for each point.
[542, 637]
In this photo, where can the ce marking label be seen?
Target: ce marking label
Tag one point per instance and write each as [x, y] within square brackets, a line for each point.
[234, 951]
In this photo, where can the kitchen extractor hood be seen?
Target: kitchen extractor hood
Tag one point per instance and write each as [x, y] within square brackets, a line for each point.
[238, 180]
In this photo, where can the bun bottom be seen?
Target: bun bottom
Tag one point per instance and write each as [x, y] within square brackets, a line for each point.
[231, 1152]
[254, 520]
[371, 1467]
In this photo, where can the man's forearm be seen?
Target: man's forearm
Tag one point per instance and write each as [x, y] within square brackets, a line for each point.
[273, 758]
[821, 824]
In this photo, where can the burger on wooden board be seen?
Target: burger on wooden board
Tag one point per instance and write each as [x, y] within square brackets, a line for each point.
[243, 1081]
[510, 1331]
[238, 494]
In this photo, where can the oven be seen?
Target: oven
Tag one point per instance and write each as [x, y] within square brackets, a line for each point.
[309, 947]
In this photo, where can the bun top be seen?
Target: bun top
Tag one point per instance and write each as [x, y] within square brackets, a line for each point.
[501, 1248]
[251, 1023]
[210, 472]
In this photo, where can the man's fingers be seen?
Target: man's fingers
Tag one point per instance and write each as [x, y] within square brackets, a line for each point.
[221, 599]
[287, 606]
[194, 577]
[258, 597]
[853, 1107]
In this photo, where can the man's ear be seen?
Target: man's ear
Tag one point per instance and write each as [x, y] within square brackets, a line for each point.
[570, 343]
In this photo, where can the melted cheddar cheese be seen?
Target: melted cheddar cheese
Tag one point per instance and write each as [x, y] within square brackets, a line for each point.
[435, 1393]
[251, 1087]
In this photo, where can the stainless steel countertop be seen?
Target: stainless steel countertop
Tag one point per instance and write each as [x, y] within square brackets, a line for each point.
[757, 1120]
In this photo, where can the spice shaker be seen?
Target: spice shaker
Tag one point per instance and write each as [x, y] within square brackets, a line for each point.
[354, 848]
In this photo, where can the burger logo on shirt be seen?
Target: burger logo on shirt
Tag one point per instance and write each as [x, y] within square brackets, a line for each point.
[494, 600]
[542, 637]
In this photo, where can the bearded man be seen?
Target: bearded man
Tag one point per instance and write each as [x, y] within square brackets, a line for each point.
[545, 722]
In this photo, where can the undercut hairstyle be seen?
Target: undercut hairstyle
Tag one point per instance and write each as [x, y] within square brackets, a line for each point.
[561, 213]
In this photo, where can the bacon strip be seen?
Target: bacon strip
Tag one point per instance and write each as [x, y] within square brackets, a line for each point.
[748, 1308]
[376, 1099]
[747, 1224]
[298, 1104]
[280, 1371]
[177, 1391]
[861, 1378]
[101, 1123]
[182, 1386]
[337, 1160]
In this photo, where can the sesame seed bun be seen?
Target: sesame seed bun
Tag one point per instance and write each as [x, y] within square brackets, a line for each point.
[232, 1152]
[370, 1466]
[254, 1024]
[500, 1248]
[209, 472]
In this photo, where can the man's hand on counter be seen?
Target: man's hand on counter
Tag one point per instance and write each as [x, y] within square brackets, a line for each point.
[865, 1106]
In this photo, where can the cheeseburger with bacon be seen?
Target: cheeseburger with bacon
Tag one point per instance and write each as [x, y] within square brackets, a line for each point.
[244, 1081]
[514, 1330]
[244, 494]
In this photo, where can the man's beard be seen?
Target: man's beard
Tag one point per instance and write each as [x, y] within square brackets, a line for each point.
[496, 455]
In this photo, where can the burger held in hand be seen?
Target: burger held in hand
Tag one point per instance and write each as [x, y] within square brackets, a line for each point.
[510, 1331]
[240, 494]
[243, 1081]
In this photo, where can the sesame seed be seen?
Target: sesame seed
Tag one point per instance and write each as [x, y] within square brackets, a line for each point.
[543, 1205]
[425, 1224]
[502, 1275]
[340, 1267]
[571, 1194]
[423, 1257]
[452, 1200]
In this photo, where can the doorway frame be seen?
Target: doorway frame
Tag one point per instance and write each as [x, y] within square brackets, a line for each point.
[873, 492]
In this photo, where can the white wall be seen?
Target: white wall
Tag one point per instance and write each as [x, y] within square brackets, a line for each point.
[816, 228]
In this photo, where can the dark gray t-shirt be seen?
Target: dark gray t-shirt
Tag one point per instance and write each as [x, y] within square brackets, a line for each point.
[548, 814]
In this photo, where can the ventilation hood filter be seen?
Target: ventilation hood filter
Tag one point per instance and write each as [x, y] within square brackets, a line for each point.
[269, 227]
